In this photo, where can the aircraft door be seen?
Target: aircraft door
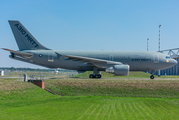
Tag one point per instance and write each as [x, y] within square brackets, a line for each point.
[155, 58]
[51, 57]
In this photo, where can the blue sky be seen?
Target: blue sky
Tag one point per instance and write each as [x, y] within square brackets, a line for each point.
[91, 25]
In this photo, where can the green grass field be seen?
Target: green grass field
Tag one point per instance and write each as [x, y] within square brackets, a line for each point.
[92, 108]
[22, 100]
[116, 87]
[109, 75]
[36, 74]
[132, 74]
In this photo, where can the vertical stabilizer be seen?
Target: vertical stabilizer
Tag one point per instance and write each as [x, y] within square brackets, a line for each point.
[25, 40]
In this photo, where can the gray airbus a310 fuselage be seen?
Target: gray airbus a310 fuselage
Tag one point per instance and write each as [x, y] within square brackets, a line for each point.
[116, 62]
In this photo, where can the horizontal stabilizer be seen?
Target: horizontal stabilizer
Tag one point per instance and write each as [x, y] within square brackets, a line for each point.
[19, 53]
[32, 62]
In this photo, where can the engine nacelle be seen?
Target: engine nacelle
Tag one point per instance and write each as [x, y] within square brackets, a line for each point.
[119, 70]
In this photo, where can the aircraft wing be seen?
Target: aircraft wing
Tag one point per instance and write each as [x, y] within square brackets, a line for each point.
[19, 53]
[96, 62]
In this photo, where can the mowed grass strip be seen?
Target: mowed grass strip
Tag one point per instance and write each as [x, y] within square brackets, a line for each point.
[109, 75]
[132, 74]
[161, 89]
[81, 108]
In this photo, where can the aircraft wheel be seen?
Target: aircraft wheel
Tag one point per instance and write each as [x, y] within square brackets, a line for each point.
[91, 76]
[151, 77]
[96, 76]
[99, 76]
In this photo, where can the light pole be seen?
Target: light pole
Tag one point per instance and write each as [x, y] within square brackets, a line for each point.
[159, 38]
[159, 48]
[147, 44]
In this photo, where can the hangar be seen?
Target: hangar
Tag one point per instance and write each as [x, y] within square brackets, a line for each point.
[174, 53]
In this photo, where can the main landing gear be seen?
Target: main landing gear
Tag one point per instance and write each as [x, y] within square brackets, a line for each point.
[95, 76]
[95, 73]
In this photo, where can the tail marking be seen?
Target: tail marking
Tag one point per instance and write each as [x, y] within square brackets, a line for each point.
[23, 32]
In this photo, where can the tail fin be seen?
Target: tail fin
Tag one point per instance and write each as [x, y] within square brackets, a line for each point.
[25, 40]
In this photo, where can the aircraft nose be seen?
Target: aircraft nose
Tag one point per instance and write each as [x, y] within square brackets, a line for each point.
[173, 62]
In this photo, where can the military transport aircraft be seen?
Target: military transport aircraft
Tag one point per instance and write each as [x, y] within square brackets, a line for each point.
[116, 62]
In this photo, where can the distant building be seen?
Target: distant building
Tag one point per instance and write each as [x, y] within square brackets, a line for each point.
[1, 72]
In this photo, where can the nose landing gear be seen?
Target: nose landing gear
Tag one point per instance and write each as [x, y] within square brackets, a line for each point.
[152, 77]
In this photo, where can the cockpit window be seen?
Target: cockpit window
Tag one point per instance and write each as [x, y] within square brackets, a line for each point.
[168, 57]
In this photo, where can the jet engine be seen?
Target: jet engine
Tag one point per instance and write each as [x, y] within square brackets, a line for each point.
[118, 70]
